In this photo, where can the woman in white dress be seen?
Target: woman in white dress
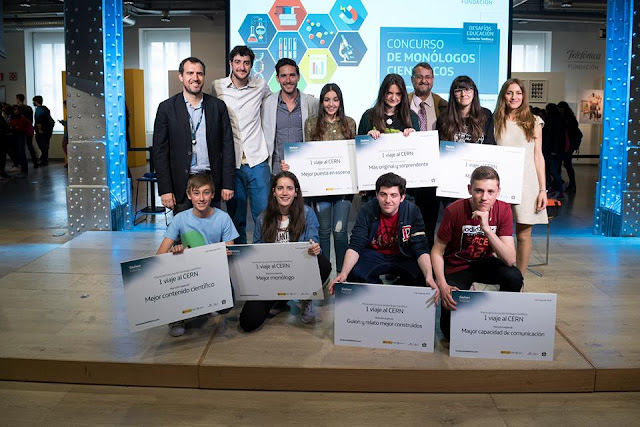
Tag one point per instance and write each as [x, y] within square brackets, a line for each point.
[515, 126]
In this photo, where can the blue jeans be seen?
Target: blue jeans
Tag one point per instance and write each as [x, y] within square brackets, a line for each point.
[338, 224]
[252, 183]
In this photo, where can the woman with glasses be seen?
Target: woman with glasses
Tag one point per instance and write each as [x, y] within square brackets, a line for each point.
[391, 113]
[465, 120]
[516, 126]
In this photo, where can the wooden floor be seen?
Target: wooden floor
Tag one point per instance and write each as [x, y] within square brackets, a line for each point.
[79, 405]
[63, 321]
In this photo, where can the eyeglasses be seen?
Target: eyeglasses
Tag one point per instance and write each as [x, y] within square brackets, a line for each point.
[420, 77]
[459, 92]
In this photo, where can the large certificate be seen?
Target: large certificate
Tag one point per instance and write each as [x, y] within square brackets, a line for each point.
[458, 160]
[384, 316]
[166, 288]
[274, 271]
[503, 325]
[323, 167]
[415, 158]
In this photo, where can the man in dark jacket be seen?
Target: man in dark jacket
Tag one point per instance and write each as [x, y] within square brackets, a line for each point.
[388, 237]
[192, 134]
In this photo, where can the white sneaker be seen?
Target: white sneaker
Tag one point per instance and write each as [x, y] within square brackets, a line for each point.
[309, 312]
[176, 329]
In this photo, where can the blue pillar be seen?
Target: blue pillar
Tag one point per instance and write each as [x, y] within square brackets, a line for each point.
[98, 195]
[617, 202]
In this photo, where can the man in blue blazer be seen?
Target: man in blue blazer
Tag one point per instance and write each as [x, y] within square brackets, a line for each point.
[192, 134]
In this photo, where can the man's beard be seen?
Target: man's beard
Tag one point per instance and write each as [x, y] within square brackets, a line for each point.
[191, 92]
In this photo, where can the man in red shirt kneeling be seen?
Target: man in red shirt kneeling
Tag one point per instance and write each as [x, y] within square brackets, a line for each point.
[472, 231]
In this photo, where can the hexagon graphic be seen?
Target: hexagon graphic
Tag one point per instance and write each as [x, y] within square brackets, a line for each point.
[348, 15]
[318, 66]
[263, 64]
[287, 45]
[287, 15]
[257, 31]
[348, 49]
[275, 86]
[318, 31]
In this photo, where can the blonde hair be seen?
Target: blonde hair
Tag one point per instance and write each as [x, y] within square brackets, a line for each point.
[523, 116]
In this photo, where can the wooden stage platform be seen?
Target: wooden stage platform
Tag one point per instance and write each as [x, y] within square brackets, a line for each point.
[63, 320]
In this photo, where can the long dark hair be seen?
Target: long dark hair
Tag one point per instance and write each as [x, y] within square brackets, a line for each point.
[453, 121]
[567, 113]
[402, 110]
[272, 213]
[321, 123]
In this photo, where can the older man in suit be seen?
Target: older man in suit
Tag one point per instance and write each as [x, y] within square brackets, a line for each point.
[192, 134]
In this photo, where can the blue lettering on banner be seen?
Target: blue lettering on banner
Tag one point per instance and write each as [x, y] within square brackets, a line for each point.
[448, 50]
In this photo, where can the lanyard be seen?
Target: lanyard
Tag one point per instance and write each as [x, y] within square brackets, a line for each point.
[194, 131]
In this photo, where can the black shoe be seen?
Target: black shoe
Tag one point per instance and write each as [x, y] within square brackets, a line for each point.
[35, 165]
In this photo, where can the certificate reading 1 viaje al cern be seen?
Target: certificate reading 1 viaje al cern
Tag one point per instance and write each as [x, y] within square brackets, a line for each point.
[323, 167]
[166, 288]
[458, 160]
[503, 325]
[384, 316]
[415, 158]
[274, 271]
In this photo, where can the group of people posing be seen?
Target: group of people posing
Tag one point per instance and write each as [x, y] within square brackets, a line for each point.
[236, 138]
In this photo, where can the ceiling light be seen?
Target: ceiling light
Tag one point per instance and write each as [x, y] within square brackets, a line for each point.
[567, 4]
[165, 16]
[25, 3]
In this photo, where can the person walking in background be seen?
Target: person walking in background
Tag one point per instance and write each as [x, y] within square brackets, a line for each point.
[554, 141]
[22, 130]
[28, 113]
[573, 139]
[43, 127]
[516, 126]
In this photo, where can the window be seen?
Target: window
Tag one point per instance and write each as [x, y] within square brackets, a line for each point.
[45, 64]
[531, 51]
[160, 51]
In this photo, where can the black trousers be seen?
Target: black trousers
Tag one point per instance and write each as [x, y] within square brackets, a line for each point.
[488, 270]
[43, 140]
[254, 313]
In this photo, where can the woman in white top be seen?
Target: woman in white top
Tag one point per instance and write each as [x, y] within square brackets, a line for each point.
[515, 126]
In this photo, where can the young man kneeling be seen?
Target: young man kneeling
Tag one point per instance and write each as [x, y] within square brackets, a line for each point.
[388, 238]
[202, 225]
[472, 230]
